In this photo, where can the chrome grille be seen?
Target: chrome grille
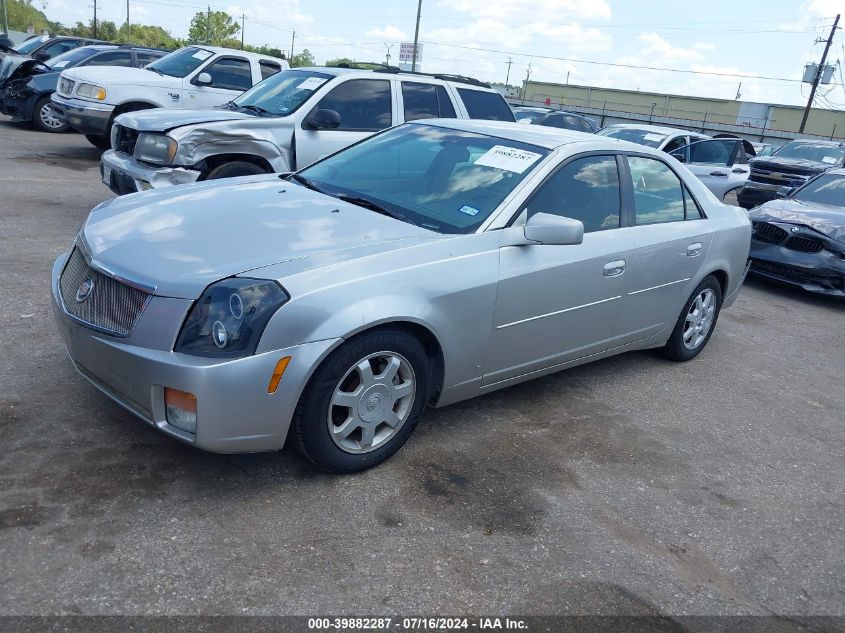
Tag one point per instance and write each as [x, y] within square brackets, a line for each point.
[766, 232]
[804, 244]
[112, 305]
[777, 178]
[66, 86]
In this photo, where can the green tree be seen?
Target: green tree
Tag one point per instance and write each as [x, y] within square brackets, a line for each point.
[212, 28]
[304, 58]
[338, 61]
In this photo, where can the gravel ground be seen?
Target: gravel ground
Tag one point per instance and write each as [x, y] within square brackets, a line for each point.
[630, 486]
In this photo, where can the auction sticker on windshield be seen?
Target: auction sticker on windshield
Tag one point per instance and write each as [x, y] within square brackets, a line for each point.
[507, 158]
[653, 137]
[201, 55]
[312, 83]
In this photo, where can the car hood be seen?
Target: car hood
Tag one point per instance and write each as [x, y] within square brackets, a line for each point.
[181, 239]
[106, 76]
[16, 66]
[790, 165]
[827, 220]
[162, 120]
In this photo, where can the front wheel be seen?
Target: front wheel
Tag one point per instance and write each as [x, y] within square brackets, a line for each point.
[696, 322]
[44, 117]
[234, 168]
[363, 402]
[100, 141]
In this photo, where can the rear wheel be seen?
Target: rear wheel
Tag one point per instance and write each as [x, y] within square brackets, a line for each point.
[44, 117]
[100, 141]
[696, 322]
[235, 168]
[363, 402]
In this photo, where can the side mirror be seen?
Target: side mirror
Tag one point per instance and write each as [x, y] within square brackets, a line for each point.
[203, 79]
[545, 228]
[41, 56]
[323, 120]
[679, 155]
[784, 191]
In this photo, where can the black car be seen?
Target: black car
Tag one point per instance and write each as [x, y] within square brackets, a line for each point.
[26, 85]
[555, 118]
[800, 239]
[789, 168]
[46, 47]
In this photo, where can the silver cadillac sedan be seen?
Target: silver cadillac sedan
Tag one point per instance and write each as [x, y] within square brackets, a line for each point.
[431, 263]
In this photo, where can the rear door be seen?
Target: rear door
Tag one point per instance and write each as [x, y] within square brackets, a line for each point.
[230, 76]
[365, 106]
[423, 100]
[672, 238]
[719, 163]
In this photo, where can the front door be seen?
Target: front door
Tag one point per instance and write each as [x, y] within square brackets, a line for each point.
[558, 303]
[230, 76]
[365, 106]
[718, 163]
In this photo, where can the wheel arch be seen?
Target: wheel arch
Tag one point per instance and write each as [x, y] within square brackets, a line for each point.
[215, 160]
[722, 277]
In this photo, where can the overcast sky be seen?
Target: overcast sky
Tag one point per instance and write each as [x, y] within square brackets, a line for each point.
[765, 38]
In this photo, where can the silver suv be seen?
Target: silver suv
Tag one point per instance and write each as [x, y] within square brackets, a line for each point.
[284, 123]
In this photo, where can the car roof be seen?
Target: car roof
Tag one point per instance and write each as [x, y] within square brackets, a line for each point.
[662, 129]
[233, 51]
[337, 71]
[541, 136]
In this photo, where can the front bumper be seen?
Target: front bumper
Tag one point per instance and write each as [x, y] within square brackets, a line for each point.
[235, 413]
[821, 273]
[123, 174]
[83, 116]
[755, 194]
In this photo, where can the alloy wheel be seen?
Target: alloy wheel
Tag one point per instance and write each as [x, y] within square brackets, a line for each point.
[699, 319]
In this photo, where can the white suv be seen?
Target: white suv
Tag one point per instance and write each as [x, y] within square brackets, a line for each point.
[89, 98]
[284, 124]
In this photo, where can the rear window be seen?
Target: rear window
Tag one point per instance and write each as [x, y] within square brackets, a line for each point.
[424, 101]
[490, 106]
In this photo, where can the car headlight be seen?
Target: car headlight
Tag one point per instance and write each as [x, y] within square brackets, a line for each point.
[155, 148]
[228, 319]
[91, 91]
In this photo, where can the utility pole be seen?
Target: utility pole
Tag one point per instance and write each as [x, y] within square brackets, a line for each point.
[243, 24]
[5, 18]
[387, 57]
[208, 25]
[527, 78]
[95, 19]
[818, 76]
[292, 40]
[128, 26]
[738, 92]
[508, 76]
[416, 38]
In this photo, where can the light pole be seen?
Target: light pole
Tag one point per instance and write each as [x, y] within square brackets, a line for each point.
[387, 56]
[416, 38]
[651, 114]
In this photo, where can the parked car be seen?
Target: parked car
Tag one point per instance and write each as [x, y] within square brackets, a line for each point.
[720, 163]
[529, 114]
[192, 77]
[766, 149]
[660, 137]
[792, 166]
[800, 239]
[27, 97]
[45, 47]
[563, 120]
[285, 123]
[436, 261]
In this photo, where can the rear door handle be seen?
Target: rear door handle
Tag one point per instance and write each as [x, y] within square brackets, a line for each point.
[739, 171]
[718, 173]
[614, 268]
[694, 250]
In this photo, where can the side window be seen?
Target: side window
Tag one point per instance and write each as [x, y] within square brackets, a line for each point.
[585, 189]
[268, 69]
[585, 127]
[552, 120]
[674, 144]
[658, 196]
[363, 104]
[420, 101]
[146, 57]
[490, 106]
[112, 58]
[572, 123]
[447, 110]
[62, 46]
[716, 152]
[230, 73]
[691, 209]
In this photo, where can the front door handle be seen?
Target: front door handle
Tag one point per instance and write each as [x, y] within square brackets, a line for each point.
[739, 171]
[694, 250]
[614, 268]
[718, 173]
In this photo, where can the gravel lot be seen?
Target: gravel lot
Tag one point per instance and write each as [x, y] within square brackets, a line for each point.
[630, 486]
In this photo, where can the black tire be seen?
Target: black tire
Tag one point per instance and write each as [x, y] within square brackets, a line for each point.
[37, 121]
[675, 347]
[235, 168]
[100, 141]
[310, 425]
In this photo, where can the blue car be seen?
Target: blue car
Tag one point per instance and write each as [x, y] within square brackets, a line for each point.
[26, 84]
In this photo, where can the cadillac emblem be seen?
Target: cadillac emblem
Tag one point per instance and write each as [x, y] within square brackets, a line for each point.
[85, 289]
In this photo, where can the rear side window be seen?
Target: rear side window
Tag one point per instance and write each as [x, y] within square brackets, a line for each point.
[585, 189]
[112, 58]
[658, 194]
[363, 104]
[426, 101]
[268, 69]
[147, 57]
[485, 105]
[230, 73]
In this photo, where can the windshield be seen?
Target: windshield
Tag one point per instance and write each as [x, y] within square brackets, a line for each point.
[283, 93]
[444, 180]
[826, 189]
[528, 116]
[635, 135]
[71, 58]
[181, 63]
[31, 44]
[807, 150]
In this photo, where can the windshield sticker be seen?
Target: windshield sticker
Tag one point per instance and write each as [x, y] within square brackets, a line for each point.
[507, 158]
[201, 55]
[653, 137]
[312, 83]
[469, 210]
[61, 64]
[830, 160]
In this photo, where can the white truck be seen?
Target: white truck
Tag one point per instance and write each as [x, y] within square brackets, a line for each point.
[284, 124]
[194, 77]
